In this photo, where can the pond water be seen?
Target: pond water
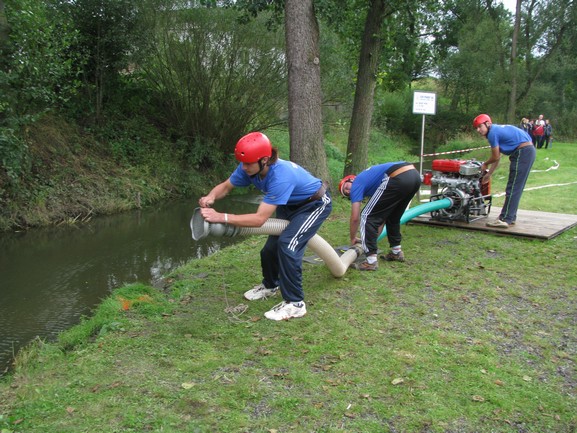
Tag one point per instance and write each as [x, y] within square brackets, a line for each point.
[51, 277]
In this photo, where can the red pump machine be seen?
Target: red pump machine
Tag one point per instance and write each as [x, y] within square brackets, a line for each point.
[459, 180]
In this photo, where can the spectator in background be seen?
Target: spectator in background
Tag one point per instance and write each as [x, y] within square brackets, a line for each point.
[540, 121]
[538, 131]
[525, 125]
[548, 134]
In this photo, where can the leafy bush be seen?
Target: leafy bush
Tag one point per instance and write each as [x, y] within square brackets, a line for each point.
[13, 156]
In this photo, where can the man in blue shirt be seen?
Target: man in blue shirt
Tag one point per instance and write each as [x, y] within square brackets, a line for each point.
[296, 196]
[515, 143]
[391, 187]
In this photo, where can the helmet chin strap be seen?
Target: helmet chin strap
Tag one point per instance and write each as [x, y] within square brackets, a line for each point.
[261, 166]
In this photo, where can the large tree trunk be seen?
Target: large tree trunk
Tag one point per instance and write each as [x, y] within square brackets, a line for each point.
[511, 115]
[304, 87]
[357, 148]
[3, 26]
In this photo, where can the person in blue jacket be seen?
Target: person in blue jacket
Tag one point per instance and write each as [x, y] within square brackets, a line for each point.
[295, 195]
[515, 143]
[391, 187]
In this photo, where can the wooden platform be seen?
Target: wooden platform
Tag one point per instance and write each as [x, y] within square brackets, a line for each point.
[530, 224]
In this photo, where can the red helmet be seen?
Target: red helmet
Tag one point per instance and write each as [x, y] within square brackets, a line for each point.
[344, 180]
[480, 119]
[252, 147]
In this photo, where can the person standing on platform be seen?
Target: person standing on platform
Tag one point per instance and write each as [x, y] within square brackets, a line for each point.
[515, 143]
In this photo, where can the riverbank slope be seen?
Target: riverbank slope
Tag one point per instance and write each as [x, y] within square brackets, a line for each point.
[75, 174]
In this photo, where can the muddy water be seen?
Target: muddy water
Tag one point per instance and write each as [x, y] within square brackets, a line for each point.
[51, 277]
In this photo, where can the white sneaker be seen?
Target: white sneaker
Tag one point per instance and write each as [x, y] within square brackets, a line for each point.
[498, 223]
[286, 310]
[260, 292]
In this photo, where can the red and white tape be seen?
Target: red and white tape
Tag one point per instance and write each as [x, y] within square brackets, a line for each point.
[455, 151]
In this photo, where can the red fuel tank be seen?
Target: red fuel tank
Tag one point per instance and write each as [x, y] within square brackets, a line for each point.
[448, 165]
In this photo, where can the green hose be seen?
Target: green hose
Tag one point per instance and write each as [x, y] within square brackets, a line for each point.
[421, 209]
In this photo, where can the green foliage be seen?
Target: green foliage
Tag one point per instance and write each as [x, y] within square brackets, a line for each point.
[393, 113]
[106, 35]
[214, 79]
[41, 70]
[13, 156]
[37, 74]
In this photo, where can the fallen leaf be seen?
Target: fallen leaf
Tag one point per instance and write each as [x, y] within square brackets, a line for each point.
[477, 398]
[70, 410]
[527, 378]
[499, 382]
[188, 385]
[398, 381]
[350, 415]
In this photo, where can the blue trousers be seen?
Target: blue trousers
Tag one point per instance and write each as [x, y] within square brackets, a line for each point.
[521, 162]
[281, 257]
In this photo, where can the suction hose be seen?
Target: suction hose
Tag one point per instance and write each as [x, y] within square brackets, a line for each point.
[421, 209]
[337, 265]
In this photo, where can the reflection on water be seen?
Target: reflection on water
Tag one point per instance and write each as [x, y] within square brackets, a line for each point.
[51, 277]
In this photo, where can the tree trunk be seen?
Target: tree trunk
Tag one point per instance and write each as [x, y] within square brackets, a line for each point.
[304, 87]
[357, 147]
[3, 26]
[511, 115]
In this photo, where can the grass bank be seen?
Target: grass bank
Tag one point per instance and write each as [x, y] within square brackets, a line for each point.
[474, 333]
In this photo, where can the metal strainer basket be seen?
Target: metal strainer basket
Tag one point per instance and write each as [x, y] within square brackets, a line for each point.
[201, 229]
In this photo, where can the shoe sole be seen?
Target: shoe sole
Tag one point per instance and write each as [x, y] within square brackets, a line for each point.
[262, 297]
[285, 318]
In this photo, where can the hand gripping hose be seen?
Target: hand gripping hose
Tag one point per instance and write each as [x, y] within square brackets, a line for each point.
[337, 265]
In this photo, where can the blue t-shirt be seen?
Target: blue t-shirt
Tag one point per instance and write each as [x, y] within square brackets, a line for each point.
[285, 183]
[507, 138]
[367, 182]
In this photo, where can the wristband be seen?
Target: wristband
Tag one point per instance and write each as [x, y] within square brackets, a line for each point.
[226, 218]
